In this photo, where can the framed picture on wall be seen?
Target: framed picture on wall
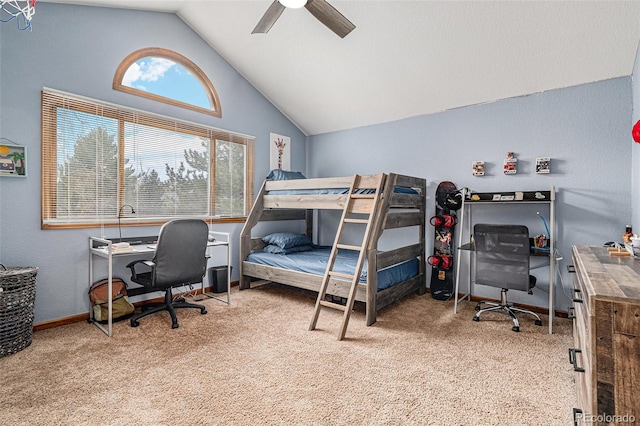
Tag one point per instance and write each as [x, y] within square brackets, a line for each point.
[13, 160]
[280, 150]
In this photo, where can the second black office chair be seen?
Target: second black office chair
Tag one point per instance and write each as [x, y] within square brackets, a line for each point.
[502, 260]
[180, 259]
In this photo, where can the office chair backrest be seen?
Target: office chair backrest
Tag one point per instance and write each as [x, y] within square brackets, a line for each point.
[502, 255]
[180, 256]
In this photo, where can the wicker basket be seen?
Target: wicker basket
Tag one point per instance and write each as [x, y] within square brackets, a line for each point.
[17, 299]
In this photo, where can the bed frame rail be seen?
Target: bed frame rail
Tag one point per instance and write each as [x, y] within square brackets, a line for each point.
[398, 210]
[393, 257]
[366, 182]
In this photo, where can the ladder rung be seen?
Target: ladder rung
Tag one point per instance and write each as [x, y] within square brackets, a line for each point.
[348, 247]
[356, 220]
[333, 305]
[341, 275]
[357, 210]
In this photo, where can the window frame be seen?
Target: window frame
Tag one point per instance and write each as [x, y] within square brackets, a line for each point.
[158, 52]
[53, 99]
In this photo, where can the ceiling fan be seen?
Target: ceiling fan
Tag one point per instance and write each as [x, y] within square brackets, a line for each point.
[322, 10]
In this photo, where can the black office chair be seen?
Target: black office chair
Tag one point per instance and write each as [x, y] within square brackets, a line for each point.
[502, 260]
[180, 259]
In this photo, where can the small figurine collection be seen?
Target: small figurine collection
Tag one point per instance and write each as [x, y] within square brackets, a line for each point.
[510, 165]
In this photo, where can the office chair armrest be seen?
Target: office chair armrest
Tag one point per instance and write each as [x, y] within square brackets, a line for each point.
[132, 266]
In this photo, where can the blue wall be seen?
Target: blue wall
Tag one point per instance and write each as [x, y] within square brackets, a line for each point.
[77, 49]
[584, 129]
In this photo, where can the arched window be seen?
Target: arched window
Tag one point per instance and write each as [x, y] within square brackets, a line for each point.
[166, 76]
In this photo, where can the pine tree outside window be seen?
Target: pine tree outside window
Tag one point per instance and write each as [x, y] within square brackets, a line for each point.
[99, 157]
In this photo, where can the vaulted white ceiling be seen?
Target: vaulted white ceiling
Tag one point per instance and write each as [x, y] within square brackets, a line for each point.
[408, 58]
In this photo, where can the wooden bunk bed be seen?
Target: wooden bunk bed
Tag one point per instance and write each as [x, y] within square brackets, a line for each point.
[402, 204]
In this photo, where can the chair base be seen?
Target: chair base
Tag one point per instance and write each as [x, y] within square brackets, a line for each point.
[169, 305]
[506, 308]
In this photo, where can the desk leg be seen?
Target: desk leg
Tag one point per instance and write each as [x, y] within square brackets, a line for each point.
[455, 298]
[211, 295]
[91, 318]
[458, 260]
[552, 259]
[110, 287]
[552, 285]
[109, 330]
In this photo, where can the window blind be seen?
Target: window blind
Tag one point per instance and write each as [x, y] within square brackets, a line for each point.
[100, 157]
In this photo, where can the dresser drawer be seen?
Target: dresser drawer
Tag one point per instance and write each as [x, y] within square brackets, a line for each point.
[582, 321]
[580, 354]
[581, 361]
[580, 294]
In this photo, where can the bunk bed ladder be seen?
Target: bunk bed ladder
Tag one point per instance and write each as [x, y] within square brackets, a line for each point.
[359, 209]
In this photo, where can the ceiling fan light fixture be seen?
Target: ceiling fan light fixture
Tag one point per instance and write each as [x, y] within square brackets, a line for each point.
[293, 4]
[320, 9]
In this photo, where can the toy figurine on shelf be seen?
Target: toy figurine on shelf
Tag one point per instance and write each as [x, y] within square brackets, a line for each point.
[510, 164]
[628, 233]
[478, 168]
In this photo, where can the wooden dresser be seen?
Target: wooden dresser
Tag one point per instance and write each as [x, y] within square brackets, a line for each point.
[606, 330]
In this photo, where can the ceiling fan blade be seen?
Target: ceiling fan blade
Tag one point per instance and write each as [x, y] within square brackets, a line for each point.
[269, 18]
[330, 16]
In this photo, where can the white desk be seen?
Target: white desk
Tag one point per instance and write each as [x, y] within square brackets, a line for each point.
[102, 247]
[497, 199]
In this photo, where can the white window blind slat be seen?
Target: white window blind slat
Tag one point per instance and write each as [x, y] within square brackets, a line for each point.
[98, 157]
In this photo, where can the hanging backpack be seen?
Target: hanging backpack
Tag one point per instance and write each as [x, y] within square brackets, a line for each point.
[121, 308]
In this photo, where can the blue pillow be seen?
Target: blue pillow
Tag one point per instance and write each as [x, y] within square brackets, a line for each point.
[404, 190]
[287, 240]
[279, 250]
[277, 174]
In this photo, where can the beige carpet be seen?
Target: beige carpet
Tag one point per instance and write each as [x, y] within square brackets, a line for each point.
[255, 362]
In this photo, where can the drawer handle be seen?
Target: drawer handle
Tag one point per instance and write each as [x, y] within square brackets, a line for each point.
[577, 413]
[577, 290]
[571, 314]
[571, 269]
[574, 360]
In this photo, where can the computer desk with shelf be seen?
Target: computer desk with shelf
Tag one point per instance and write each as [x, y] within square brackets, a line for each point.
[496, 199]
[145, 246]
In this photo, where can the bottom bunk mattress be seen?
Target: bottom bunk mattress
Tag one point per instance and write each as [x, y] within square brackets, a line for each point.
[315, 262]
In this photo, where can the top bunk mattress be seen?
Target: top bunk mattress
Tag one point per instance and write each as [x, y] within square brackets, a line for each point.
[315, 262]
[325, 191]
[281, 175]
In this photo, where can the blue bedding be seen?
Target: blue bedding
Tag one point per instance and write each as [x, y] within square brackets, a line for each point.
[315, 262]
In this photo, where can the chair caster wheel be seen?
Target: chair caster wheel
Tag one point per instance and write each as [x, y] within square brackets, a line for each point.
[476, 319]
[477, 307]
[203, 311]
[538, 322]
[134, 323]
[174, 325]
[516, 329]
